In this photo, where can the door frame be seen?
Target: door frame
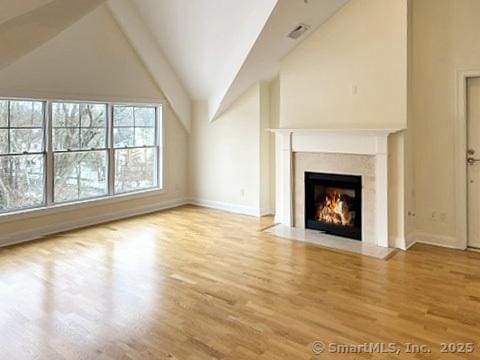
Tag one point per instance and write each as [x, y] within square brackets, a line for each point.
[461, 128]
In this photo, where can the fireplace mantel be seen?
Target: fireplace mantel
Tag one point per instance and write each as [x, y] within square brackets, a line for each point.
[359, 132]
[373, 142]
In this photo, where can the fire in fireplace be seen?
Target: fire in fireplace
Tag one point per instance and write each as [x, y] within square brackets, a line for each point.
[333, 204]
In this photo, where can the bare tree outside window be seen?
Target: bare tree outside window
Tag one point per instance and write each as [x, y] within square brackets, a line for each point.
[135, 148]
[80, 151]
[90, 157]
[22, 154]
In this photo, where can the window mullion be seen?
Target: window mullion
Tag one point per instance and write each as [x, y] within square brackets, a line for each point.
[111, 151]
[8, 127]
[50, 171]
[80, 138]
[134, 128]
[160, 143]
[156, 179]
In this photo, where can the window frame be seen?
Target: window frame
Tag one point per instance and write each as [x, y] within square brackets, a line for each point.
[42, 153]
[49, 206]
[158, 140]
[52, 152]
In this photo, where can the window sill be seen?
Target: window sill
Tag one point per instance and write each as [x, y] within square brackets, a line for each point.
[56, 209]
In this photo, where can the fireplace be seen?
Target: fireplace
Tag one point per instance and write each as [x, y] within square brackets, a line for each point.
[333, 204]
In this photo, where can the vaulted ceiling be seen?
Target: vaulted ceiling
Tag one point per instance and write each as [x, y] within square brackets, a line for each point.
[27, 24]
[200, 38]
[219, 48]
[13, 8]
[210, 50]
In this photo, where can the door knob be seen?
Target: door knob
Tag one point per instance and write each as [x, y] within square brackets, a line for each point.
[472, 161]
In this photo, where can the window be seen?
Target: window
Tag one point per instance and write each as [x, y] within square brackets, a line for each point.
[135, 139]
[22, 154]
[81, 151]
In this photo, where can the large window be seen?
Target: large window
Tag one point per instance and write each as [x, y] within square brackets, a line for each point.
[135, 141]
[80, 151]
[22, 154]
[60, 152]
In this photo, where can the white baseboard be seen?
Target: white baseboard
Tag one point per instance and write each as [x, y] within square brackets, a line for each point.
[410, 240]
[421, 237]
[49, 229]
[409, 245]
[234, 208]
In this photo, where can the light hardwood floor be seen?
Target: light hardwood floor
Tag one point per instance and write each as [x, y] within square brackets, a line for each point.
[194, 283]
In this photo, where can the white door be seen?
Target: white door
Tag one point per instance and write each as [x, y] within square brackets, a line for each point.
[473, 161]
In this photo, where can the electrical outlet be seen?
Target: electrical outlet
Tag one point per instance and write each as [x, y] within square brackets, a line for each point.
[242, 193]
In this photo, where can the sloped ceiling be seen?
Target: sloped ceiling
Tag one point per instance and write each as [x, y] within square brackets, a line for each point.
[272, 44]
[218, 48]
[202, 38]
[13, 8]
[148, 48]
[77, 64]
[209, 50]
[27, 24]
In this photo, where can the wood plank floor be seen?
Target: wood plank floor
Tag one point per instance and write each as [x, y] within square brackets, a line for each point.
[194, 283]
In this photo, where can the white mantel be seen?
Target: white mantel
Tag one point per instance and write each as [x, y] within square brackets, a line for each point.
[372, 142]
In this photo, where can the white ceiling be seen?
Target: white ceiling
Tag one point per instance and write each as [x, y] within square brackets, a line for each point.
[209, 50]
[201, 38]
[218, 48]
[271, 46]
[27, 24]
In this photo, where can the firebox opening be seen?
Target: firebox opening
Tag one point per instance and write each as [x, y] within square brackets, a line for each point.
[333, 204]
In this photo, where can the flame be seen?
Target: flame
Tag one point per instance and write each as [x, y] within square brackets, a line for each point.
[335, 210]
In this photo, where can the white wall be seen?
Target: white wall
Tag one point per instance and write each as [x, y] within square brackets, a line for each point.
[362, 47]
[446, 38]
[93, 60]
[266, 178]
[229, 165]
[274, 88]
[224, 155]
[409, 143]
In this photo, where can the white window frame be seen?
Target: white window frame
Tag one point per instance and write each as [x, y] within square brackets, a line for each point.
[50, 207]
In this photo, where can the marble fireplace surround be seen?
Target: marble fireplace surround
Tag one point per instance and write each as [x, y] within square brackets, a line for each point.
[355, 152]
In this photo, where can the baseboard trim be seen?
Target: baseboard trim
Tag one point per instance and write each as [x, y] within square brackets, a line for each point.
[410, 240]
[420, 237]
[233, 208]
[410, 245]
[40, 232]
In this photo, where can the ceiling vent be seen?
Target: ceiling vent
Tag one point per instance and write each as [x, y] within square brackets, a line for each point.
[298, 31]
